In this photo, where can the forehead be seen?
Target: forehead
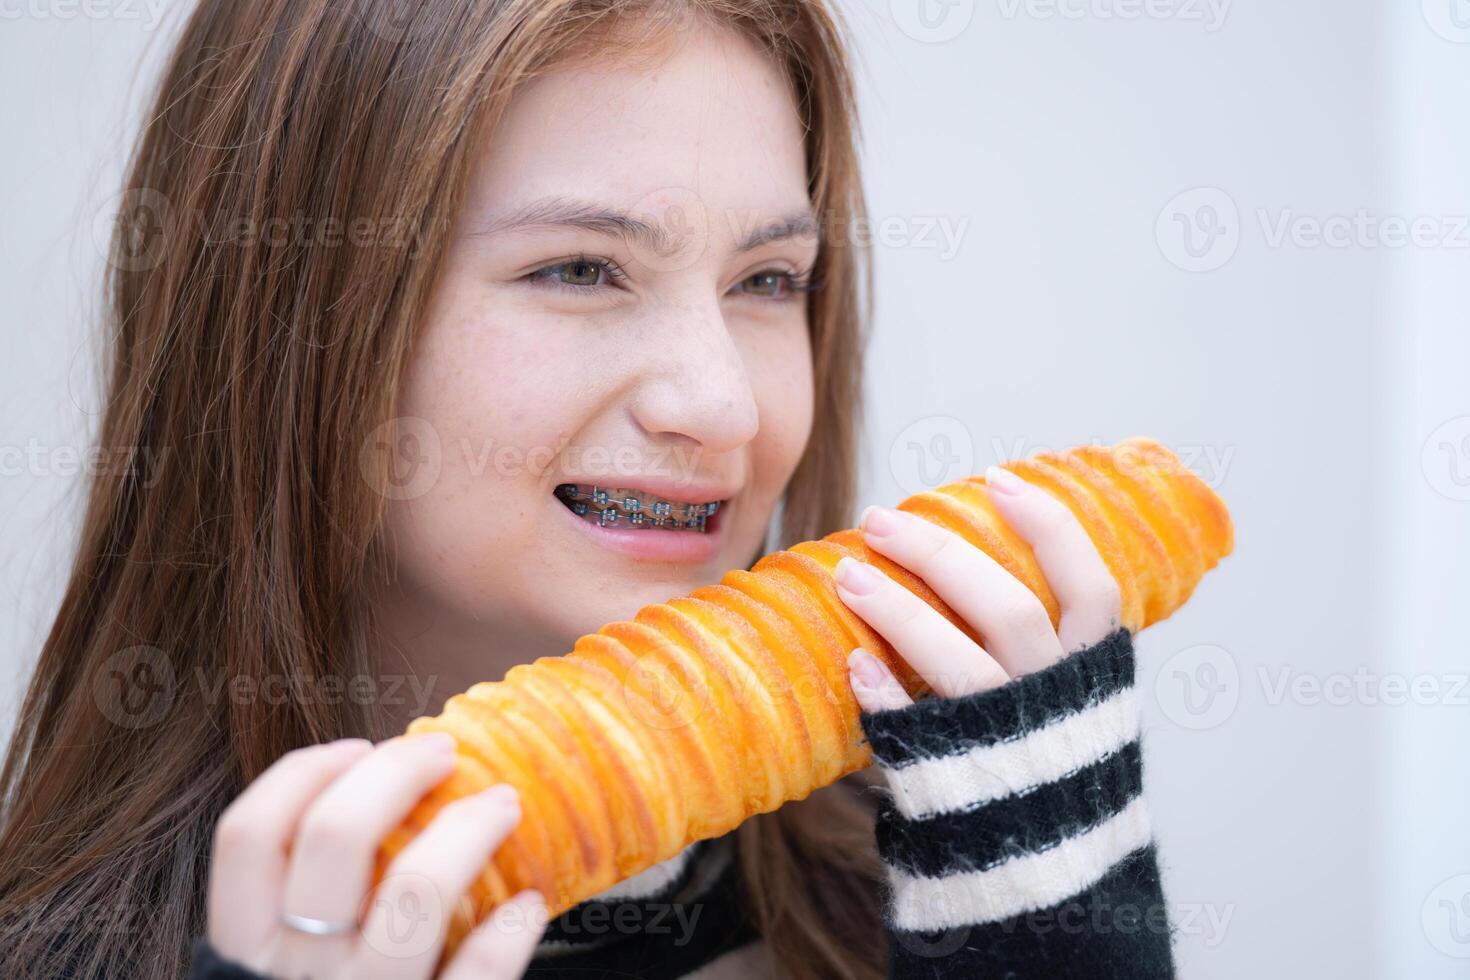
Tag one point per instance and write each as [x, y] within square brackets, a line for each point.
[705, 113]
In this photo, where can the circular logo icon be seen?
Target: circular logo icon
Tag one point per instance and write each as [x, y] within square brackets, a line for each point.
[136, 687]
[933, 944]
[395, 21]
[937, 906]
[408, 915]
[141, 218]
[934, 450]
[659, 698]
[402, 458]
[1445, 459]
[1199, 230]
[1445, 917]
[675, 232]
[1450, 19]
[932, 21]
[1198, 687]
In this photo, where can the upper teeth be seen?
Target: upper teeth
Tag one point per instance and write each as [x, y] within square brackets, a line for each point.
[635, 503]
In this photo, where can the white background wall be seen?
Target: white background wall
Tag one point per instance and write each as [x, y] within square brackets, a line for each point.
[1065, 148]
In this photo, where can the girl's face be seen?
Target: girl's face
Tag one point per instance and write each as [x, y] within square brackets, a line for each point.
[620, 306]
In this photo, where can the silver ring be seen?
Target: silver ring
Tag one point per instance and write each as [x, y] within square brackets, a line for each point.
[316, 927]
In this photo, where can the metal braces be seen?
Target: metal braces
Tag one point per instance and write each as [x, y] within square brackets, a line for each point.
[616, 507]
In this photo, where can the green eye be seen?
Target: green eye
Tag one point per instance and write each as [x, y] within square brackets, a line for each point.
[778, 284]
[579, 273]
[583, 274]
[766, 283]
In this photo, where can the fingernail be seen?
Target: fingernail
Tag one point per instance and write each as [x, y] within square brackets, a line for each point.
[525, 909]
[1004, 480]
[878, 521]
[440, 742]
[502, 794]
[857, 577]
[356, 744]
[867, 669]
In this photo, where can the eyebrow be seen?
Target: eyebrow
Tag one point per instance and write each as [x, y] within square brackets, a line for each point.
[564, 212]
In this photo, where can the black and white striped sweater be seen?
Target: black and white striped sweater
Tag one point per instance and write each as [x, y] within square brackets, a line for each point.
[1013, 829]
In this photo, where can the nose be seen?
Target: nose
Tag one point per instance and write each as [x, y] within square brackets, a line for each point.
[698, 384]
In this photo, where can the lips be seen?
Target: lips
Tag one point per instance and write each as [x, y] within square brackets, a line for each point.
[641, 508]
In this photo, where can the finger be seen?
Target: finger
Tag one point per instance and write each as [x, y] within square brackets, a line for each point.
[412, 905]
[873, 684]
[334, 853]
[1090, 601]
[248, 863]
[500, 948]
[948, 660]
[1013, 623]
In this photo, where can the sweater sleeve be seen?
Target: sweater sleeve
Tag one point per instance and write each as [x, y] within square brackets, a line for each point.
[207, 964]
[1014, 832]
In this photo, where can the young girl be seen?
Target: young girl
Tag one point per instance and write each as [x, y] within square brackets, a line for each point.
[390, 279]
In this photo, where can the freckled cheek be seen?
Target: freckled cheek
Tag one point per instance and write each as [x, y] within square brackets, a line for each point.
[501, 398]
[782, 377]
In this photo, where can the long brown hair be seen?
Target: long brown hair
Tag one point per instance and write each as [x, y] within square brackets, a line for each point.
[253, 361]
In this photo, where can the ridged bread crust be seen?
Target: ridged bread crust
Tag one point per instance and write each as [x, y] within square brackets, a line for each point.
[704, 710]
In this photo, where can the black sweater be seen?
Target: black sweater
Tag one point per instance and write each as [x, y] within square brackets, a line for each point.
[1015, 835]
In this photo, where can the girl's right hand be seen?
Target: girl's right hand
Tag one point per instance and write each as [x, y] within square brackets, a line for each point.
[330, 806]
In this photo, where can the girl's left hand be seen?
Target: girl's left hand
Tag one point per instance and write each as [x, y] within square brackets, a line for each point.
[1017, 631]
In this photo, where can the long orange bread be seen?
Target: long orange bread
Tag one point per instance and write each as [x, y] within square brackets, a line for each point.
[704, 710]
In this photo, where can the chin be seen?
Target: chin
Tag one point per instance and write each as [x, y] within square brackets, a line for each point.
[613, 601]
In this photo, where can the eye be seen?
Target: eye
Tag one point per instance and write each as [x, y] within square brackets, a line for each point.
[579, 274]
[778, 284]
